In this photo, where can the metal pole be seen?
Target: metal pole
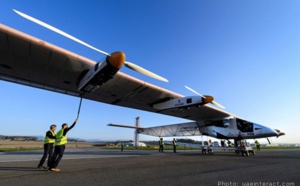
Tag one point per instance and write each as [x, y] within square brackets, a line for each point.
[79, 107]
[136, 135]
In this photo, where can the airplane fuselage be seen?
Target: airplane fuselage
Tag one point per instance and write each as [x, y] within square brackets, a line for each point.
[235, 128]
[227, 128]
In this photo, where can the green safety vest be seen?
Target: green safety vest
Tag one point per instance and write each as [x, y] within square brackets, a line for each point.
[49, 140]
[174, 142]
[60, 139]
[161, 142]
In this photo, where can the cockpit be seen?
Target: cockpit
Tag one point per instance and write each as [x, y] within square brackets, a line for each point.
[244, 126]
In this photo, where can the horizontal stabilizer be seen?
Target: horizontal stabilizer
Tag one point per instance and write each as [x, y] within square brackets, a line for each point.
[180, 129]
[124, 126]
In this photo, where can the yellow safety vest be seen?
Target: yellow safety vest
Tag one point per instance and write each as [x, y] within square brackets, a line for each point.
[161, 142]
[49, 140]
[174, 142]
[60, 138]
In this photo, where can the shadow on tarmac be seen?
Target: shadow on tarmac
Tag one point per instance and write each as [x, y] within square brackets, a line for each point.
[22, 169]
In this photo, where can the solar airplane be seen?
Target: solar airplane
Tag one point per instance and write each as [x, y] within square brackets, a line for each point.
[30, 61]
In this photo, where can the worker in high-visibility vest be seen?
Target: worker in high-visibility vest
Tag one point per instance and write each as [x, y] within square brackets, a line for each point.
[257, 145]
[174, 145]
[60, 145]
[161, 145]
[229, 144]
[48, 147]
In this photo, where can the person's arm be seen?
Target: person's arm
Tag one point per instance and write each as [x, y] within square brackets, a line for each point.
[49, 135]
[69, 128]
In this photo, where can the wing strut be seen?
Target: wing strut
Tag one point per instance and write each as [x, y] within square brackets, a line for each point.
[269, 141]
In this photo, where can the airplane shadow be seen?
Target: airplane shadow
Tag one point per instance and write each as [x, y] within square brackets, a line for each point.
[22, 169]
[227, 154]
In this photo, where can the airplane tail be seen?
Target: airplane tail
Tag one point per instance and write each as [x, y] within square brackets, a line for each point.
[124, 126]
[182, 129]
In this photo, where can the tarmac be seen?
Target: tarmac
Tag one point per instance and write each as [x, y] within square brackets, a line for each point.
[93, 166]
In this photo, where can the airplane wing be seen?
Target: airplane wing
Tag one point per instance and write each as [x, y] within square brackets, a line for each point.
[33, 62]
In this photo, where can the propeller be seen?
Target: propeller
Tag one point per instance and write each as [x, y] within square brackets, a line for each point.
[127, 64]
[277, 130]
[212, 102]
[279, 133]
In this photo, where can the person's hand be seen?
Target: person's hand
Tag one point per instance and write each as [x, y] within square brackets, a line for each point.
[76, 120]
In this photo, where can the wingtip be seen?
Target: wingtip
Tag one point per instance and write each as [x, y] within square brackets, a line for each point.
[165, 80]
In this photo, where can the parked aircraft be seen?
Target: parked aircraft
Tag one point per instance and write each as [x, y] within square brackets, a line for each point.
[30, 61]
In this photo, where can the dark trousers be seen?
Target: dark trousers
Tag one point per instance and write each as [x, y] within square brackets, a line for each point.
[58, 154]
[161, 148]
[48, 150]
[257, 147]
[174, 148]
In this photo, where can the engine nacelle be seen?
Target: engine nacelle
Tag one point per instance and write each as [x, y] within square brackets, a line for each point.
[101, 72]
[183, 102]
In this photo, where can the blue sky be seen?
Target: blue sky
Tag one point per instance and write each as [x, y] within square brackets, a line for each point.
[244, 53]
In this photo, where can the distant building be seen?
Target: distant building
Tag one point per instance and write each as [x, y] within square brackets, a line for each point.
[2, 137]
[18, 138]
[216, 144]
[130, 144]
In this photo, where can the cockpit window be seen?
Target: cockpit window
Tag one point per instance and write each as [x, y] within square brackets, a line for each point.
[244, 126]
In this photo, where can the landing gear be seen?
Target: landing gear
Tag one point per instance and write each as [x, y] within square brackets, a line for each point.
[245, 151]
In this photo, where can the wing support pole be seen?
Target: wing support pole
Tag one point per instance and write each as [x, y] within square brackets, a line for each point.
[79, 108]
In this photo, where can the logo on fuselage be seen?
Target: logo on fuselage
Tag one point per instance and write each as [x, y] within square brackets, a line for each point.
[179, 103]
[247, 134]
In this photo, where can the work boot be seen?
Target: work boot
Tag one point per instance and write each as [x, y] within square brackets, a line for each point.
[55, 169]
